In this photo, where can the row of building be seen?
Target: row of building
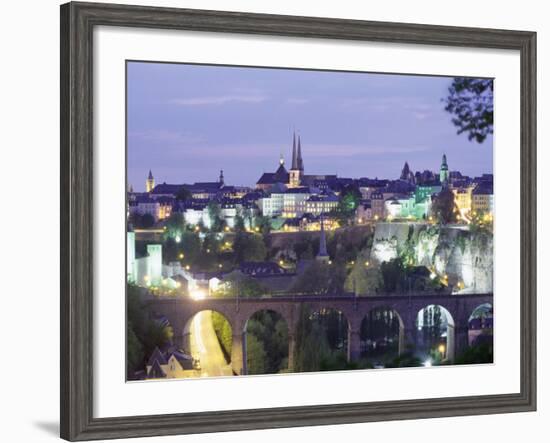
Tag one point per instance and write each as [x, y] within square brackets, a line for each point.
[293, 195]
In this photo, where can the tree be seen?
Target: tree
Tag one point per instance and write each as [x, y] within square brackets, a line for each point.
[350, 198]
[444, 206]
[249, 247]
[264, 223]
[311, 345]
[239, 223]
[363, 279]
[271, 330]
[256, 356]
[470, 101]
[183, 195]
[175, 224]
[142, 220]
[134, 349]
[476, 354]
[223, 333]
[147, 221]
[238, 284]
[144, 332]
[217, 223]
[393, 276]
[321, 278]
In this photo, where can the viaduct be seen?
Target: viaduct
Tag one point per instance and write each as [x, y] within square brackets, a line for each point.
[180, 311]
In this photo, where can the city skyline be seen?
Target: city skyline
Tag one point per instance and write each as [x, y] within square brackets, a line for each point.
[173, 108]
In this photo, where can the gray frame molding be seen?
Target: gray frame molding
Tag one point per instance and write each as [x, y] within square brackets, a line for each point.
[77, 23]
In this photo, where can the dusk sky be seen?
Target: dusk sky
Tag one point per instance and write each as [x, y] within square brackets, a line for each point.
[186, 122]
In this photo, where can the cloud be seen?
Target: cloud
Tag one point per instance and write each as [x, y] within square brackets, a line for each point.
[162, 136]
[219, 100]
[346, 150]
[382, 104]
[297, 101]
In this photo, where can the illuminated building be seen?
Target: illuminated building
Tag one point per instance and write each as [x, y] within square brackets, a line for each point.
[297, 169]
[482, 198]
[143, 271]
[321, 204]
[150, 182]
[463, 199]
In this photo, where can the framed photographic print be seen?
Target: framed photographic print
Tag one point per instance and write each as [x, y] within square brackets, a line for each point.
[272, 221]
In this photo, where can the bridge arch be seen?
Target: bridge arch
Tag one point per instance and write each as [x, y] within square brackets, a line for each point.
[435, 337]
[382, 332]
[219, 328]
[178, 311]
[480, 324]
[339, 328]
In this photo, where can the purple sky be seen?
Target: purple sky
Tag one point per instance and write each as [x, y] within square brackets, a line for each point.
[186, 122]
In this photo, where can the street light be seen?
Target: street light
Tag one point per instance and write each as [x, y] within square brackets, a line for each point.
[197, 294]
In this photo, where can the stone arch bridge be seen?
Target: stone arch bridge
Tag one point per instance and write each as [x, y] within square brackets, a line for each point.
[180, 311]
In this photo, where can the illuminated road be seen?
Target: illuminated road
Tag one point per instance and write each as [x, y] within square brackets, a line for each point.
[205, 347]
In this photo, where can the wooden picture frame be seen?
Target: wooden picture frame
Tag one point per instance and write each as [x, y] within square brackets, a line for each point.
[77, 218]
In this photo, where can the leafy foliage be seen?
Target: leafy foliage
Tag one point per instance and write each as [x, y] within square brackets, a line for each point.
[223, 333]
[470, 101]
[321, 278]
[241, 285]
[380, 328]
[183, 195]
[267, 333]
[444, 205]
[214, 212]
[144, 333]
[321, 341]
[482, 353]
[144, 221]
[249, 247]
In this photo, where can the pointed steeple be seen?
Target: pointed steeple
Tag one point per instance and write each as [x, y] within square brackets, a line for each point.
[444, 171]
[323, 254]
[150, 177]
[300, 161]
[294, 157]
[221, 180]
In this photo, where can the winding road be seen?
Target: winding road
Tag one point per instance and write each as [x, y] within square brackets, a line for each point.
[206, 348]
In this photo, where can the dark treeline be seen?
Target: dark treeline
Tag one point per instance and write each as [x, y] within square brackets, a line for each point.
[321, 341]
[267, 343]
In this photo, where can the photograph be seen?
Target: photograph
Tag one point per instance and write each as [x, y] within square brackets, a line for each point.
[283, 220]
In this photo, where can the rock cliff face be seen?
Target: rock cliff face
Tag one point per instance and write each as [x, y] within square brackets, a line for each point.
[464, 256]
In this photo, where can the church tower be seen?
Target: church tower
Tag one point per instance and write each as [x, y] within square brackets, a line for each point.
[322, 256]
[150, 182]
[221, 179]
[444, 172]
[296, 172]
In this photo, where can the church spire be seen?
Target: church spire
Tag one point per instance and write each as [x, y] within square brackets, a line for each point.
[444, 171]
[300, 161]
[323, 254]
[221, 179]
[294, 157]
